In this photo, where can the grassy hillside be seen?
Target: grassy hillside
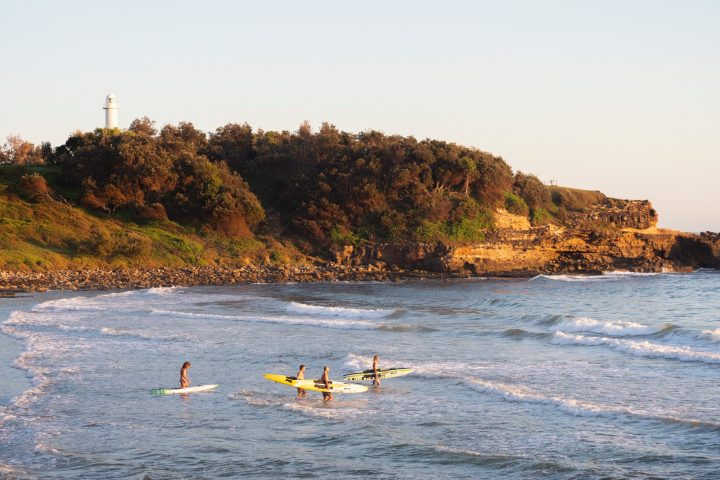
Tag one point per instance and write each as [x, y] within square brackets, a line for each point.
[48, 232]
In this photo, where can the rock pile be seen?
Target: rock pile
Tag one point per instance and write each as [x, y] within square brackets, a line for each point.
[106, 279]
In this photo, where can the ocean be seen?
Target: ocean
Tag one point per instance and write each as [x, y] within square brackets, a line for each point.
[554, 377]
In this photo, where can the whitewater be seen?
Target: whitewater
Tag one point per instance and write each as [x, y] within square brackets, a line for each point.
[559, 377]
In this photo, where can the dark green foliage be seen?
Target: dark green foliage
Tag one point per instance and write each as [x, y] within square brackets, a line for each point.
[461, 230]
[324, 188]
[337, 187]
[156, 175]
[539, 216]
[515, 204]
[532, 190]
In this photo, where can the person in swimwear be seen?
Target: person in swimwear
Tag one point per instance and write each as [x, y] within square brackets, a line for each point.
[376, 367]
[184, 380]
[301, 376]
[327, 396]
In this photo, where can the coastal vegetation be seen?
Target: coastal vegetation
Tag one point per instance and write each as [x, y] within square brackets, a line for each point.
[177, 196]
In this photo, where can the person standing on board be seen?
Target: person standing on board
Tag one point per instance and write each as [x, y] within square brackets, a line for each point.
[376, 367]
[327, 396]
[184, 380]
[301, 376]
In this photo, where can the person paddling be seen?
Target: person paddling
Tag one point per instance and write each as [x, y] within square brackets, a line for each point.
[184, 380]
[301, 376]
[376, 368]
[327, 396]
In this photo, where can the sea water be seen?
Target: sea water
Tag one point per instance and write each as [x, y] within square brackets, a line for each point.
[613, 376]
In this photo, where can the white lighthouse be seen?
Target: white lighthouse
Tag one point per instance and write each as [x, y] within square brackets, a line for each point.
[111, 111]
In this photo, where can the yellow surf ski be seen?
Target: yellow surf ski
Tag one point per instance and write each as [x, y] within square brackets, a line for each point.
[316, 385]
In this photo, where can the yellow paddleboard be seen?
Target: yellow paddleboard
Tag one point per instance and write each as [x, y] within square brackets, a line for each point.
[315, 385]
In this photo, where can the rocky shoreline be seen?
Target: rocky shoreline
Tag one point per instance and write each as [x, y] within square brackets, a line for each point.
[129, 278]
[512, 253]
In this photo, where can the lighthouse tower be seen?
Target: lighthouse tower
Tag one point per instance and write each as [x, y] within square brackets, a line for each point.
[111, 111]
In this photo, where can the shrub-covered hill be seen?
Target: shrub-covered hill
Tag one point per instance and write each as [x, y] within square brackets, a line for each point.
[177, 196]
[42, 228]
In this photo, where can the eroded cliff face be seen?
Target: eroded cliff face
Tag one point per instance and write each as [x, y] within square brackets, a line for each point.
[626, 240]
[638, 214]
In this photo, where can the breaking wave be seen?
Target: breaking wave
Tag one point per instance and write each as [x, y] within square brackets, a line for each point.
[712, 336]
[605, 276]
[307, 309]
[471, 376]
[314, 322]
[581, 408]
[613, 328]
[639, 348]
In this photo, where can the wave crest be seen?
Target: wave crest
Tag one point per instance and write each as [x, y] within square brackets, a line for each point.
[613, 328]
[314, 322]
[639, 348]
[307, 309]
[605, 276]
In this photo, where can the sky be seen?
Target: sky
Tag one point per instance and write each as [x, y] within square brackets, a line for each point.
[617, 96]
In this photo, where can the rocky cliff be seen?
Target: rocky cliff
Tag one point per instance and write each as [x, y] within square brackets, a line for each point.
[613, 235]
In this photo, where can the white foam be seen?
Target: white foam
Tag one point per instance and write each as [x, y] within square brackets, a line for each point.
[122, 332]
[459, 451]
[427, 369]
[307, 309]
[314, 322]
[18, 318]
[639, 348]
[73, 304]
[712, 336]
[605, 276]
[41, 349]
[145, 291]
[625, 273]
[160, 290]
[581, 408]
[471, 375]
[105, 301]
[327, 411]
[41, 447]
[357, 362]
[614, 328]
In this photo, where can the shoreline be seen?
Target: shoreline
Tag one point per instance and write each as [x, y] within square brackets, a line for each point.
[12, 283]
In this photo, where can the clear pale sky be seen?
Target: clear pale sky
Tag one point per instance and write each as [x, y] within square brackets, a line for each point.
[618, 96]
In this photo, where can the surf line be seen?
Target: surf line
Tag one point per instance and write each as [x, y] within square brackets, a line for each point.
[578, 408]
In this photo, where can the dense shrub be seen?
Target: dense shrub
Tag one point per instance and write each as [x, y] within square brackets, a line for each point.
[515, 204]
[532, 190]
[34, 187]
[337, 187]
[539, 216]
[156, 175]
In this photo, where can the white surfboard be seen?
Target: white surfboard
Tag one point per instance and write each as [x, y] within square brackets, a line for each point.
[170, 391]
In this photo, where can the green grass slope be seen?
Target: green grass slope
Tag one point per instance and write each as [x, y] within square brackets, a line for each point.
[47, 233]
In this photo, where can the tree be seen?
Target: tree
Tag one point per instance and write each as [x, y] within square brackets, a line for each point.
[532, 190]
[468, 166]
[17, 150]
[154, 174]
